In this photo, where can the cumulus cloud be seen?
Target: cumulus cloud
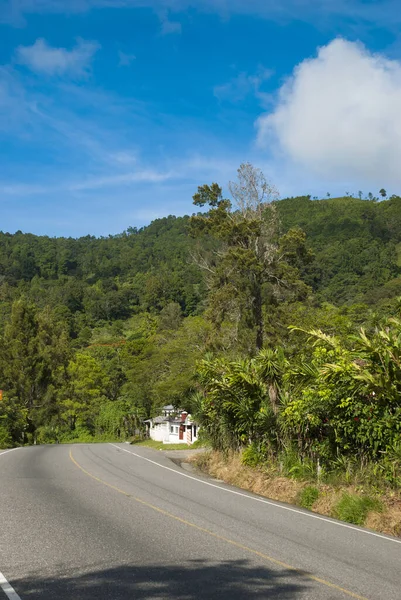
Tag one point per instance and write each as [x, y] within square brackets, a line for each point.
[339, 115]
[45, 59]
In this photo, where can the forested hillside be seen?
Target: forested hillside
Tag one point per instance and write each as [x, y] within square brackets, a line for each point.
[356, 243]
[210, 312]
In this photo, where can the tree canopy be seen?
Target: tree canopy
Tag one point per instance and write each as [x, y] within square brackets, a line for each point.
[276, 322]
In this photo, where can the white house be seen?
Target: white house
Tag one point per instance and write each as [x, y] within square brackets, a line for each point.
[172, 427]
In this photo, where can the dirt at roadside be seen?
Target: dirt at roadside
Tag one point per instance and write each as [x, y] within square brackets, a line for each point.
[182, 455]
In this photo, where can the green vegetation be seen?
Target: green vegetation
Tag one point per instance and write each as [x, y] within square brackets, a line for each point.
[160, 446]
[354, 509]
[276, 323]
[308, 496]
[333, 405]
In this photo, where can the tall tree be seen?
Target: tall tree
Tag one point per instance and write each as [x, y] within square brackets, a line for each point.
[249, 257]
[33, 349]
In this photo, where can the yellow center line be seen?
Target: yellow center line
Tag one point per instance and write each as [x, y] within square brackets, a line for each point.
[222, 538]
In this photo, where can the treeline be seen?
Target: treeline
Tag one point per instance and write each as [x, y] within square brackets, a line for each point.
[98, 333]
[90, 280]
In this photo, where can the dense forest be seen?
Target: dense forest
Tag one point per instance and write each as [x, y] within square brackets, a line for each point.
[275, 322]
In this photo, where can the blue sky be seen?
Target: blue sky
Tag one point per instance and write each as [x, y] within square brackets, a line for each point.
[112, 112]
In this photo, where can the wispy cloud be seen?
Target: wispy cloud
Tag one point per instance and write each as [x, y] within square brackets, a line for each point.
[143, 176]
[22, 189]
[124, 158]
[243, 84]
[125, 60]
[97, 142]
[13, 109]
[44, 59]
[355, 14]
[89, 183]
[168, 26]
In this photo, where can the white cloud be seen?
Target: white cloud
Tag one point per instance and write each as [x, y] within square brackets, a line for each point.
[339, 116]
[42, 58]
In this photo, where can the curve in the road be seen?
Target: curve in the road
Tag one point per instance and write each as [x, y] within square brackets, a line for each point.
[7, 451]
[269, 502]
[216, 535]
[107, 522]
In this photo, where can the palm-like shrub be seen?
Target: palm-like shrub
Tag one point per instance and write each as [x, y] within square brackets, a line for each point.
[351, 398]
[241, 398]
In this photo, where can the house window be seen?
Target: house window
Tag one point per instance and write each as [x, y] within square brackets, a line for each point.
[174, 429]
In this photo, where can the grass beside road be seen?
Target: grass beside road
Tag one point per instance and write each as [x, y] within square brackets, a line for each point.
[160, 446]
[379, 510]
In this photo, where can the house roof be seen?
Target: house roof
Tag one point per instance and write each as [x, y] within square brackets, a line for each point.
[157, 420]
[160, 419]
[175, 420]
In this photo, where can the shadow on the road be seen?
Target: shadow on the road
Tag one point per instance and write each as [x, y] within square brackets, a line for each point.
[228, 580]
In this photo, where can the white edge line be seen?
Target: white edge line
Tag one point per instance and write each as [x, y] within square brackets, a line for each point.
[8, 588]
[11, 450]
[269, 502]
[4, 585]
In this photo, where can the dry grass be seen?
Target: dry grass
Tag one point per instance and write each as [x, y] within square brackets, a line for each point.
[231, 470]
[328, 498]
[260, 481]
[389, 521]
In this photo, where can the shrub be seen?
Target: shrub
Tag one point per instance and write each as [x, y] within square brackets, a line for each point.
[5, 437]
[199, 444]
[354, 509]
[46, 435]
[250, 456]
[79, 435]
[292, 465]
[137, 439]
[308, 496]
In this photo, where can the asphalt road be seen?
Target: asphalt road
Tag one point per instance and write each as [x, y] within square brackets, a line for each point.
[120, 522]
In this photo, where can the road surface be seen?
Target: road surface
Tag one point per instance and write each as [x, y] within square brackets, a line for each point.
[115, 522]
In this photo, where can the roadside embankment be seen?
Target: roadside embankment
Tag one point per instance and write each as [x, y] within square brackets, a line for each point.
[361, 505]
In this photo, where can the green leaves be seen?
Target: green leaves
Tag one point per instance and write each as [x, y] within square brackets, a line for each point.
[345, 401]
[352, 395]
[241, 398]
[34, 351]
[208, 194]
